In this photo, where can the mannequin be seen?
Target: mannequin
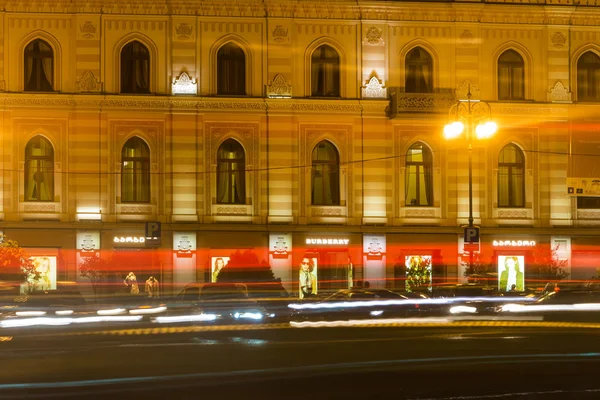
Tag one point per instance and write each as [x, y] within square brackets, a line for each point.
[152, 287]
[131, 283]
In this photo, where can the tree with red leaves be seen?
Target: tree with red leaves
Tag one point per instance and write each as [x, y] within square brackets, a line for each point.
[16, 266]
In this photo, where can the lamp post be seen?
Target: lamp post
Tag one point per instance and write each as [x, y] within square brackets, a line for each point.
[470, 114]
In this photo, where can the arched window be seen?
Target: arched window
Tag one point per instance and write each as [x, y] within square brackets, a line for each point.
[231, 70]
[419, 176]
[39, 67]
[588, 77]
[135, 68]
[325, 72]
[231, 173]
[39, 170]
[135, 171]
[511, 177]
[418, 68]
[511, 76]
[325, 175]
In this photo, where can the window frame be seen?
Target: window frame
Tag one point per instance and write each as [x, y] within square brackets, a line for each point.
[411, 85]
[133, 58]
[319, 63]
[426, 168]
[325, 165]
[47, 158]
[238, 63]
[510, 186]
[30, 51]
[231, 180]
[595, 83]
[140, 170]
[511, 84]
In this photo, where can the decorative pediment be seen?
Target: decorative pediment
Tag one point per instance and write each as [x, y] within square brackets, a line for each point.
[279, 87]
[559, 93]
[184, 85]
[374, 89]
[88, 82]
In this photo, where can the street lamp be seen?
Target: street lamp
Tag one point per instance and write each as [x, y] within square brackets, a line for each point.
[466, 115]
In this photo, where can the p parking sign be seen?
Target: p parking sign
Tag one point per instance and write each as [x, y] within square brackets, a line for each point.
[153, 233]
[471, 238]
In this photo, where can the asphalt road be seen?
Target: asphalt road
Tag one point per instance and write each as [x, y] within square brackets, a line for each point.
[463, 360]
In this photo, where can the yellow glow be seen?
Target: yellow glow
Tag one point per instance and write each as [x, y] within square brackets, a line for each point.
[453, 130]
[487, 130]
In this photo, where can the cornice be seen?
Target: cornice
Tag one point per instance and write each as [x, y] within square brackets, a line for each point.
[193, 104]
[555, 12]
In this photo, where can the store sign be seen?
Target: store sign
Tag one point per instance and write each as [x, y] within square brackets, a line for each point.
[184, 243]
[88, 242]
[327, 241]
[513, 243]
[374, 246]
[280, 244]
[129, 241]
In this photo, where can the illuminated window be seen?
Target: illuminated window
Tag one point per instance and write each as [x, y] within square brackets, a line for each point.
[231, 70]
[39, 67]
[418, 68]
[511, 76]
[39, 170]
[588, 77]
[325, 72]
[135, 171]
[419, 176]
[511, 177]
[325, 175]
[135, 68]
[231, 173]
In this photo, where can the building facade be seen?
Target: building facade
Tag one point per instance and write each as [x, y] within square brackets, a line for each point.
[299, 129]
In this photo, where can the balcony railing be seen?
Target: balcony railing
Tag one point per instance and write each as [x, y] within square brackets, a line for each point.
[438, 101]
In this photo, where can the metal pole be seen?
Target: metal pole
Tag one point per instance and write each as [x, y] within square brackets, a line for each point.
[470, 141]
[470, 200]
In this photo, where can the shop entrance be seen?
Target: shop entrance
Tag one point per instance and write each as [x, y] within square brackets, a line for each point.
[334, 269]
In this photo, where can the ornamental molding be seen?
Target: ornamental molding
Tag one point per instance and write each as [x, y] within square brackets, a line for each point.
[183, 31]
[232, 210]
[87, 30]
[559, 93]
[419, 213]
[373, 37]
[559, 41]
[374, 89]
[135, 209]
[513, 214]
[588, 214]
[88, 82]
[280, 34]
[232, 105]
[344, 108]
[279, 87]
[62, 101]
[340, 10]
[530, 110]
[184, 85]
[317, 211]
[46, 208]
[466, 39]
